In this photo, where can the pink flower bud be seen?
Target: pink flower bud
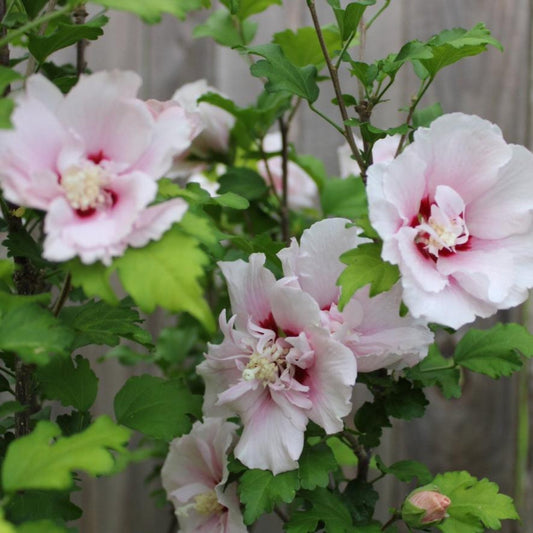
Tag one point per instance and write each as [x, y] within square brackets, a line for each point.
[425, 507]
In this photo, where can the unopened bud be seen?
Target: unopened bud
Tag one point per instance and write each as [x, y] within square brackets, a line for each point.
[425, 506]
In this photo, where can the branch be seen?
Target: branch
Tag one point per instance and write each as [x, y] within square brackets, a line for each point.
[348, 133]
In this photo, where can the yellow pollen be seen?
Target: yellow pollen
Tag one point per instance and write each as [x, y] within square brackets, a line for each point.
[207, 503]
[260, 368]
[83, 186]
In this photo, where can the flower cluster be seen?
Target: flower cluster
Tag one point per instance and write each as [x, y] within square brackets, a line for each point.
[289, 355]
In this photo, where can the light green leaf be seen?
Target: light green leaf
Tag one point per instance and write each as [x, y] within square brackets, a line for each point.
[93, 279]
[152, 11]
[326, 507]
[315, 465]
[103, 324]
[156, 407]
[243, 181]
[261, 491]
[245, 8]
[37, 461]
[6, 108]
[221, 27]
[34, 334]
[344, 198]
[494, 352]
[475, 505]
[344, 455]
[422, 118]
[365, 266]
[303, 48]
[41, 526]
[7, 76]
[74, 386]
[282, 75]
[166, 273]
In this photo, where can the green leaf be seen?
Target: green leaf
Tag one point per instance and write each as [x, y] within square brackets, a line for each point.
[6, 108]
[360, 498]
[243, 181]
[282, 75]
[434, 369]
[93, 279]
[422, 118]
[245, 8]
[103, 324]
[303, 48]
[36, 461]
[33, 7]
[174, 344]
[352, 16]
[41, 526]
[344, 198]
[221, 27]
[166, 273]
[261, 491]
[74, 422]
[39, 505]
[232, 200]
[9, 408]
[344, 455]
[156, 407]
[476, 505]
[405, 401]
[41, 46]
[152, 11]
[370, 419]
[365, 266]
[494, 352]
[406, 471]
[315, 465]
[7, 76]
[34, 334]
[74, 386]
[326, 508]
[450, 46]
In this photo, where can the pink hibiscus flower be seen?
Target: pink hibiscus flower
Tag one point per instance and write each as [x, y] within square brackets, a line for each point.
[194, 476]
[455, 213]
[91, 159]
[276, 368]
[371, 328]
[302, 189]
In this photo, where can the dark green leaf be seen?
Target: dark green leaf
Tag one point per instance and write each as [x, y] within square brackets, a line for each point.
[6, 108]
[261, 491]
[365, 266]
[156, 407]
[494, 352]
[101, 323]
[326, 508]
[244, 182]
[315, 465]
[41, 46]
[74, 386]
[174, 344]
[7, 76]
[361, 498]
[282, 75]
[436, 370]
[33, 7]
[39, 505]
[370, 419]
[245, 8]
[74, 422]
[406, 471]
[405, 401]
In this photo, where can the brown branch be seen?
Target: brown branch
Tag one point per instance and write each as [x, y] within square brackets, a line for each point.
[348, 133]
[284, 211]
[80, 14]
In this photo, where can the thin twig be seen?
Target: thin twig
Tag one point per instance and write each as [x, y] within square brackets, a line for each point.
[282, 514]
[373, 19]
[348, 133]
[80, 14]
[63, 295]
[391, 521]
[284, 211]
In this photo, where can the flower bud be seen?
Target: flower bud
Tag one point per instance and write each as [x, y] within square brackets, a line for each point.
[425, 506]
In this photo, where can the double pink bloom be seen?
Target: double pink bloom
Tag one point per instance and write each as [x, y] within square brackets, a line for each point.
[91, 160]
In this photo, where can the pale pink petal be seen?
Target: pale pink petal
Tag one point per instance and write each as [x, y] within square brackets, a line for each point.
[232, 520]
[293, 310]
[330, 381]
[316, 261]
[154, 221]
[39, 87]
[269, 441]
[463, 152]
[249, 285]
[507, 202]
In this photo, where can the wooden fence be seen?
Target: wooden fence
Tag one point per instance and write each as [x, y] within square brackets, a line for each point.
[477, 432]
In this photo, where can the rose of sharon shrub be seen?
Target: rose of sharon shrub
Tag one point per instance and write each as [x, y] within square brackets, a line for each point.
[302, 189]
[276, 368]
[371, 327]
[91, 159]
[455, 213]
[194, 476]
